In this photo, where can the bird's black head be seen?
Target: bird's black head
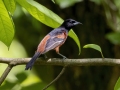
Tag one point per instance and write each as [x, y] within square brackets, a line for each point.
[69, 23]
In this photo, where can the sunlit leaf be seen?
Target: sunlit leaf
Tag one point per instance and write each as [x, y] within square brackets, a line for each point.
[41, 13]
[6, 26]
[45, 16]
[94, 46]
[117, 85]
[10, 5]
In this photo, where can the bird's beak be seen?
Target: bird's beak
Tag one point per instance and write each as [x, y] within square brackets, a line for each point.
[76, 23]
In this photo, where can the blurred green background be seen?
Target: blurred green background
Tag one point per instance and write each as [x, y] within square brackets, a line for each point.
[100, 18]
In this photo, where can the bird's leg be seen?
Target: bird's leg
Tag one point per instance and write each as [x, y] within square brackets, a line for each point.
[64, 57]
[57, 51]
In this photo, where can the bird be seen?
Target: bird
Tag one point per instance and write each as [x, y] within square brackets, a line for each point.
[53, 41]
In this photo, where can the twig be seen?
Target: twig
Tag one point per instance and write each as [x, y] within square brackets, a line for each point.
[4, 75]
[62, 71]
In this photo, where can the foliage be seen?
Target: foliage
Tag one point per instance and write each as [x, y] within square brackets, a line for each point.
[7, 29]
[114, 37]
[117, 86]
[6, 25]
[37, 10]
[49, 18]
[10, 6]
[94, 46]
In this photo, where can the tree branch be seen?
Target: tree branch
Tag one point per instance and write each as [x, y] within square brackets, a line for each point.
[56, 61]
[61, 62]
[6, 72]
[59, 75]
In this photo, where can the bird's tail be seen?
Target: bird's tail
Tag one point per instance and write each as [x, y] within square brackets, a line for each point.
[31, 62]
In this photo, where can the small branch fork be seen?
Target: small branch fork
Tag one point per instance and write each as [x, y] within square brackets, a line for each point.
[56, 61]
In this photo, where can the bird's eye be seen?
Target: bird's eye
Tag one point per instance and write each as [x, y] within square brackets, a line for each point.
[72, 21]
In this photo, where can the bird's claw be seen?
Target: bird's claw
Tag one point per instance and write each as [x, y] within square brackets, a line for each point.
[64, 58]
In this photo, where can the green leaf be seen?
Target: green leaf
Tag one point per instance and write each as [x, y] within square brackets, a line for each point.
[114, 37]
[45, 16]
[6, 26]
[117, 85]
[10, 5]
[94, 46]
[75, 38]
[41, 13]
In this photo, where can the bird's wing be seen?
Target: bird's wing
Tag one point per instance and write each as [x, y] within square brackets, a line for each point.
[55, 41]
[50, 42]
[42, 45]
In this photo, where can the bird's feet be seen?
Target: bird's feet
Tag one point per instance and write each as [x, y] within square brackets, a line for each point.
[64, 58]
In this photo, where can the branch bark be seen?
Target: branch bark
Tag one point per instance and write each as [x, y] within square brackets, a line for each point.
[6, 72]
[56, 61]
[61, 62]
